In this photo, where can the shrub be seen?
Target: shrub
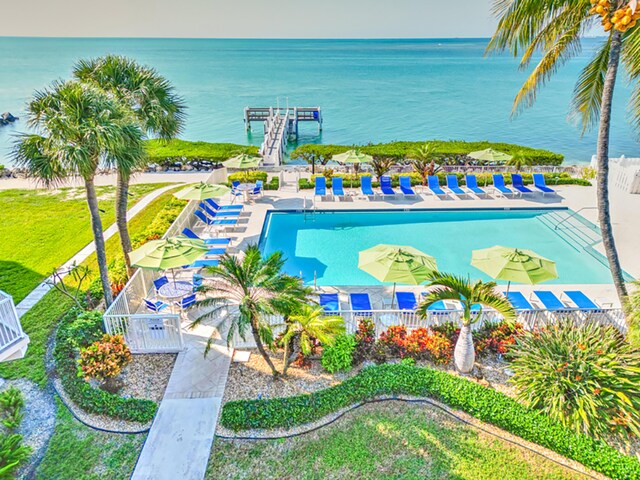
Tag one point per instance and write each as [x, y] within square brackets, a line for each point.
[486, 404]
[86, 329]
[165, 152]
[339, 356]
[393, 340]
[585, 377]
[11, 403]
[423, 343]
[365, 340]
[247, 176]
[12, 454]
[93, 400]
[104, 359]
[497, 337]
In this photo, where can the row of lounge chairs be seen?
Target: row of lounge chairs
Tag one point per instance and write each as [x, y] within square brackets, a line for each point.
[407, 301]
[499, 187]
[214, 215]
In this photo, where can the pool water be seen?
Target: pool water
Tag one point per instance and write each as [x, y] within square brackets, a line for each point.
[326, 244]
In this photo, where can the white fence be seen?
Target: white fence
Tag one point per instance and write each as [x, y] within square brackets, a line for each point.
[12, 337]
[383, 319]
[624, 173]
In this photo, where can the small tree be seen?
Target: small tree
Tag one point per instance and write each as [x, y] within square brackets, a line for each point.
[423, 161]
[381, 165]
[452, 287]
[104, 360]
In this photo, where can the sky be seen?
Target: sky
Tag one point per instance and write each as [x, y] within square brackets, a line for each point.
[248, 18]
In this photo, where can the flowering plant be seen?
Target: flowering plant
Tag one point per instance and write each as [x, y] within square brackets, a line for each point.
[104, 359]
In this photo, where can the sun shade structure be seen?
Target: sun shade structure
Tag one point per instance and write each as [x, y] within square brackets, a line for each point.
[397, 264]
[243, 162]
[202, 191]
[168, 253]
[514, 265]
[352, 157]
[490, 155]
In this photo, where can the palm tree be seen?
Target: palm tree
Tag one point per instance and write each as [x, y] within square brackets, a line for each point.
[78, 128]
[423, 161]
[482, 294]
[381, 165]
[153, 103]
[518, 160]
[307, 324]
[555, 28]
[258, 288]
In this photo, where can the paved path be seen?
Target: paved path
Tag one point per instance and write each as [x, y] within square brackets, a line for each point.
[179, 442]
[41, 290]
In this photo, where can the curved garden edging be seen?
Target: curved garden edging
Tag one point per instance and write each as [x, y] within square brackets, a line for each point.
[483, 403]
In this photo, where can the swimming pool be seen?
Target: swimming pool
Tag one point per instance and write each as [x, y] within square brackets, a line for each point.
[326, 243]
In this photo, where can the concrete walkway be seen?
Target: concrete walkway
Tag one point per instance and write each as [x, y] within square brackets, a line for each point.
[179, 442]
[41, 290]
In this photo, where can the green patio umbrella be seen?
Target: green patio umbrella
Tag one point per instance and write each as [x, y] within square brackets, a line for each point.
[168, 253]
[397, 264]
[243, 162]
[490, 155]
[202, 191]
[514, 265]
[353, 157]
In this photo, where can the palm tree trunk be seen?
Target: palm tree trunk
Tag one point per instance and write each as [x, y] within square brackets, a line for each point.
[122, 202]
[261, 349]
[604, 216]
[98, 238]
[464, 355]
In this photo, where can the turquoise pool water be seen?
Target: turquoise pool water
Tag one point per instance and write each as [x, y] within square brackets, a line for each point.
[328, 243]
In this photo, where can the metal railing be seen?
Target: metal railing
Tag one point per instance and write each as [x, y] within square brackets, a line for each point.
[10, 327]
[148, 333]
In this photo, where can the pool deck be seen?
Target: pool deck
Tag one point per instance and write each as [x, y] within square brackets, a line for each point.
[624, 208]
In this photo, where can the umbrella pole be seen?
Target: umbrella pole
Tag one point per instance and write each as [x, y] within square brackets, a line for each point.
[393, 295]
[173, 274]
[508, 285]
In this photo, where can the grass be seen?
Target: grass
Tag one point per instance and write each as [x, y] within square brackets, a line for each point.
[41, 229]
[40, 321]
[383, 441]
[78, 452]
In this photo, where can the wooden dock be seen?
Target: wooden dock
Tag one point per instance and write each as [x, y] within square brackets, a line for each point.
[279, 124]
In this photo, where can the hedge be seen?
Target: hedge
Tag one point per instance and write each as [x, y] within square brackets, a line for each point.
[252, 176]
[484, 179]
[161, 151]
[454, 150]
[94, 400]
[484, 403]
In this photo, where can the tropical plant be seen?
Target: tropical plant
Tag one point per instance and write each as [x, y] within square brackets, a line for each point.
[306, 325]
[498, 337]
[555, 29]
[423, 161]
[86, 329]
[517, 160]
[11, 405]
[426, 343]
[78, 128]
[451, 287]
[339, 356]
[12, 454]
[151, 100]
[586, 377]
[634, 315]
[365, 340]
[381, 165]
[256, 287]
[104, 360]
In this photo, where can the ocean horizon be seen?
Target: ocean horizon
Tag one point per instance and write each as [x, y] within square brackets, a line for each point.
[370, 90]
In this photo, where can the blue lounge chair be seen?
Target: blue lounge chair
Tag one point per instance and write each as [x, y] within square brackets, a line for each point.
[216, 206]
[385, 185]
[196, 281]
[330, 302]
[540, 184]
[499, 186]
[155, 307]
[215, 251]
[159, 282]
[550, 301]
[581, 301]
[452, 184]
[214, 222]
[518, 184]
[218, 213]
[235, 193]
[257, 191]
[518, 301]
[321, 187]
[405, 185]
[360, 302]
[472, 185]
[207, 241]
[433, 184]
[186, 302]
[336, 187]
[365, 186]
[406, 301]
[203, 263]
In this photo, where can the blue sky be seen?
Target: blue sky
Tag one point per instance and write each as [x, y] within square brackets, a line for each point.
[249, 18]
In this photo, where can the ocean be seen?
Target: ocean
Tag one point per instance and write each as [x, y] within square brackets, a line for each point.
[369, 90]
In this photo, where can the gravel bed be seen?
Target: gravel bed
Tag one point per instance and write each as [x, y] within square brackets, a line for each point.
[39, 420]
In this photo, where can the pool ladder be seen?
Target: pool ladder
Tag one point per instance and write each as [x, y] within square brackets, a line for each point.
[309, 213]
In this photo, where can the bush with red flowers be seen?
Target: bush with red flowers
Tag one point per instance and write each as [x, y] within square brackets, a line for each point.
[104, 359]
[498, 337]
[365, 340]
[394, 341]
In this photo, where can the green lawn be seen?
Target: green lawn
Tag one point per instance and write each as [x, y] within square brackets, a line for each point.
[384, 441]
[41, 229]
[81, 453]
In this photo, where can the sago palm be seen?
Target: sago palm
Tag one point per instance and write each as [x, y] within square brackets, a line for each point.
[423, 161]
[78, 128]
[478, 293]
[555, 29]
[151, 100]
[245, 291]
[305, 325]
